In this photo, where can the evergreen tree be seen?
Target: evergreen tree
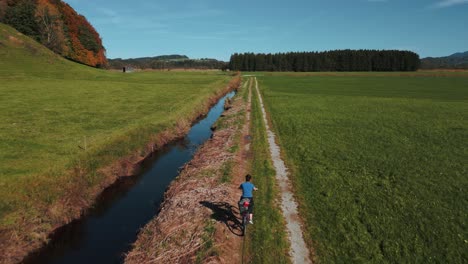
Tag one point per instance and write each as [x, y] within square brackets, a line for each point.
[87, 38]
[337, 60]
[21, 16]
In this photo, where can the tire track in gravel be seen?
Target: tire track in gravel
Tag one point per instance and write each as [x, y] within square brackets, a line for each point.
[299, 252]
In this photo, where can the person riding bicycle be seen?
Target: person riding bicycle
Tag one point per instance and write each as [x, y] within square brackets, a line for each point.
[247, 193]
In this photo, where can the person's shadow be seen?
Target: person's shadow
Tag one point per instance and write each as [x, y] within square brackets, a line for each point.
[224, 212]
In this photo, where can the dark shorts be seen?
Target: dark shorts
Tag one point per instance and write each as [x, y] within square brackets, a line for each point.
[251, 204]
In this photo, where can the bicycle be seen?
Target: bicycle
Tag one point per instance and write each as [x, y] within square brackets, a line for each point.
[244, 205]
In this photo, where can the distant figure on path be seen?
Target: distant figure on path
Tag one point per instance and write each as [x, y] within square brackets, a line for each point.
[124, 70]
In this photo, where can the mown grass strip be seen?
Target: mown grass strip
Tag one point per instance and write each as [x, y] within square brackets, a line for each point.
[266, 238]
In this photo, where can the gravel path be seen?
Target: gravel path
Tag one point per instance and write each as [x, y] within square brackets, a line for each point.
[299, 252]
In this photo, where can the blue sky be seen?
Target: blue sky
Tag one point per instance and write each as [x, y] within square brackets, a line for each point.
[217, 28]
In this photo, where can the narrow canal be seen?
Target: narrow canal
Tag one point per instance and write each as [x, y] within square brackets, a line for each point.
[109, 229]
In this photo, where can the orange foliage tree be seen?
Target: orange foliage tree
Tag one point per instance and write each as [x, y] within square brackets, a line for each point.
[61, 29]
[51, 27]
[85, 43]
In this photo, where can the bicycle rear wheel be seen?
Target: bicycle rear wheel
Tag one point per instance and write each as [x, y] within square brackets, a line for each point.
[244, 223]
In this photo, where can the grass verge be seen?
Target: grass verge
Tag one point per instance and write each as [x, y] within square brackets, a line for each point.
[266, 239]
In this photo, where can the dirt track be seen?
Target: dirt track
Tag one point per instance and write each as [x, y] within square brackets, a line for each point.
[299, 252]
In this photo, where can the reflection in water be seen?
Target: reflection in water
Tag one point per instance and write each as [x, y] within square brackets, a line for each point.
[109, 228]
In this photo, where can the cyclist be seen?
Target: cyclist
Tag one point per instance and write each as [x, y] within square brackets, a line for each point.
[247, 192]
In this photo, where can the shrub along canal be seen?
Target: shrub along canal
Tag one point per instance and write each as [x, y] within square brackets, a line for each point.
[108, 230]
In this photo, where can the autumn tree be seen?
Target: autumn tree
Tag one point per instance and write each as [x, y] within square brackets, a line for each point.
[87, 39]
[85, 43]
[51, 28]
[57, 26]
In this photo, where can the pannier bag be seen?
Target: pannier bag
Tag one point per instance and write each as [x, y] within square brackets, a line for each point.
[244, 205]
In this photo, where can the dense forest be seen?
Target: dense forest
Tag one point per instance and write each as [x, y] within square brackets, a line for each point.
[57, 26]
[454, 61]
[338, 60]
[167, 62]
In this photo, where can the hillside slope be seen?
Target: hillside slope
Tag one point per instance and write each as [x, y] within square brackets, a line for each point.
[21, 56]
[57, 26]
[455, 61]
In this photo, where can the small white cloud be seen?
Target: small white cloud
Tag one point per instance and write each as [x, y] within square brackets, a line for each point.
[107, 11]
[109, 16]
[448, 3]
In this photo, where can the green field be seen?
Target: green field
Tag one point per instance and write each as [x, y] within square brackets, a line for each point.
[58, 117]
[378, 161]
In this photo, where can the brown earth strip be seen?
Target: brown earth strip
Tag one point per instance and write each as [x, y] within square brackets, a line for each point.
[30, 235]
[198, 221]
[230, 244]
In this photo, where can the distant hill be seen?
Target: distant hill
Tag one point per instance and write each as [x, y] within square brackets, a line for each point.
[166, 62]
[455, 61]
[459, 55]
[144, 62]
[57, 26]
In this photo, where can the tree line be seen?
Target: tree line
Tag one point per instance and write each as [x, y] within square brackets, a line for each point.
[337, 60]
[56, 25]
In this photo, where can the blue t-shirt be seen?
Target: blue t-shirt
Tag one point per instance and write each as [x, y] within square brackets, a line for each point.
[247, 189]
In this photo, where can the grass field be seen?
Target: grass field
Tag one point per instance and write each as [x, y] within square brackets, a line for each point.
[57, 116]
[379, 163]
